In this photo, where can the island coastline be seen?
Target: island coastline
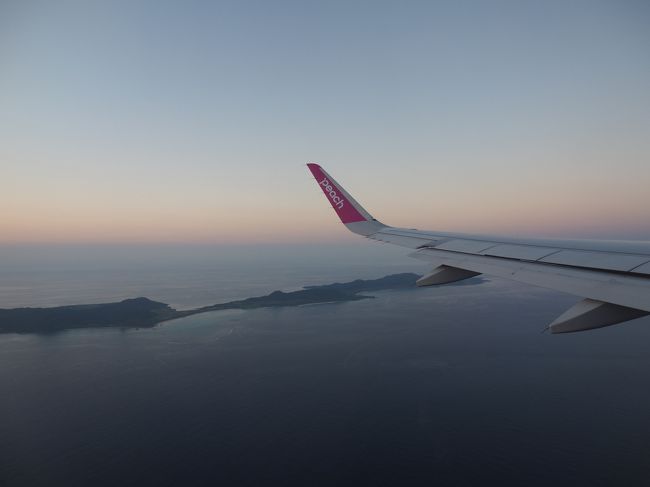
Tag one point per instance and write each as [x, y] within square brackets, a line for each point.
[145, 313]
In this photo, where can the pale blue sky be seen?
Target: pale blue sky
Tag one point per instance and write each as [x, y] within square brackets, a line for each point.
[191, 121]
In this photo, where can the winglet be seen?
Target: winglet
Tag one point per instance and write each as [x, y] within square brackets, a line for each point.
[351, 213]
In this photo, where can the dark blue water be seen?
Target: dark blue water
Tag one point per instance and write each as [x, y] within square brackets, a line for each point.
[445, 386]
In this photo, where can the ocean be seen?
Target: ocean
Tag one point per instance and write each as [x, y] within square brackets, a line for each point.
[454, 385]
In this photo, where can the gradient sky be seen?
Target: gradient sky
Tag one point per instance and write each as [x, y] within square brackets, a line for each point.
[155, 121]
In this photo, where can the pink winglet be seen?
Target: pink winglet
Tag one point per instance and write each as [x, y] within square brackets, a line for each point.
[343, 207]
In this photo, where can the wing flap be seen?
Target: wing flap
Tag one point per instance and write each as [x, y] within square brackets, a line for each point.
[466, 246]
[521, 252]
[597, 260]
[402, 240]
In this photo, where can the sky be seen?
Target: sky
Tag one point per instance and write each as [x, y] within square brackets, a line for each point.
[191, 122]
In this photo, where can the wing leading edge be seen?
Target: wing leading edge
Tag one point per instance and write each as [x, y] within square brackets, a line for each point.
[612, 277]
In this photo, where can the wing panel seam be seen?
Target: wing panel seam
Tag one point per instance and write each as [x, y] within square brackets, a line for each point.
[424, 236]
[637, 266]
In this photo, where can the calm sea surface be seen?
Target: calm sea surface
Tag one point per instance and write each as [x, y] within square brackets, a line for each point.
[440, 386]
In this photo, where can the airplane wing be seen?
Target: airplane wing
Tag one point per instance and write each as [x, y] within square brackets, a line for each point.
[613, 277]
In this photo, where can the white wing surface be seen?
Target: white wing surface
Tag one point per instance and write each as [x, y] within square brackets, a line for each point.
[613, 277]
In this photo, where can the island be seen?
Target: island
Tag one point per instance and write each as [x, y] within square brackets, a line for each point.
[143, 312]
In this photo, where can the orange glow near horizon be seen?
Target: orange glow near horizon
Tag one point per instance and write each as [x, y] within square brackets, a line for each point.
[253, 219]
